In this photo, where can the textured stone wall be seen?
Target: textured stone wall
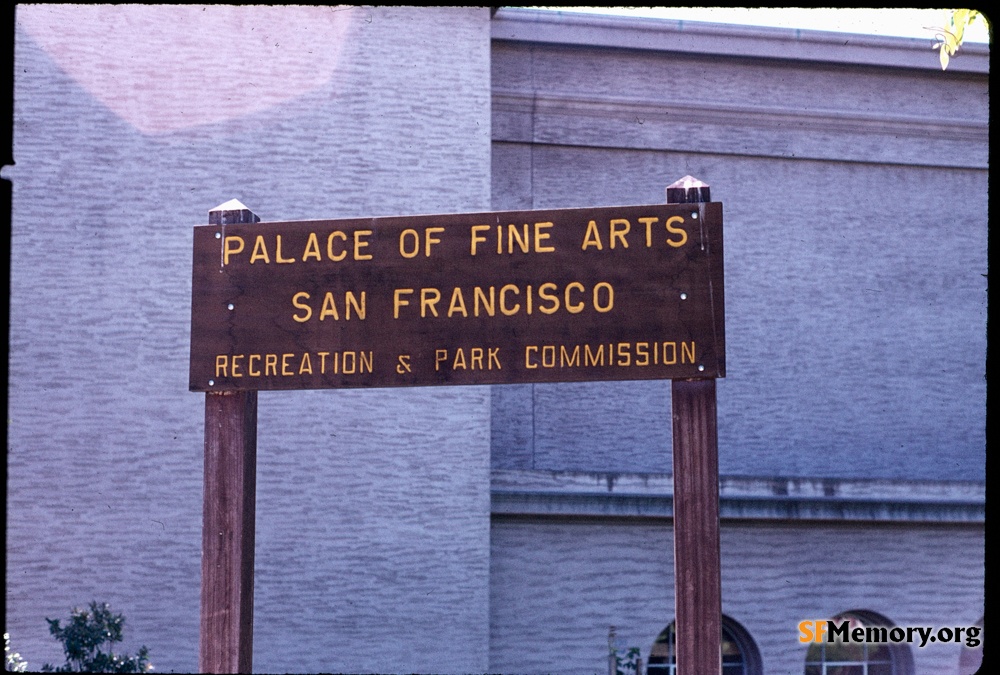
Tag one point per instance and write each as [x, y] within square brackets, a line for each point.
[856, 202]
[557, 584]
[855, 251]
[372, 506]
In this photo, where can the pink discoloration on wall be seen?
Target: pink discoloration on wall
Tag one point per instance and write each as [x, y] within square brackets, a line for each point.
[138, 60]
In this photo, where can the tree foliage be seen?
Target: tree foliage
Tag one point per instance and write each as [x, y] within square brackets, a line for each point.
[953, 34]
[13, 663]
[83, 637]
[628, 663]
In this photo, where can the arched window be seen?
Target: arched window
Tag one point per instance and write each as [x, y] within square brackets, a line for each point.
[971, 658]
[740, 655]
[859, 658]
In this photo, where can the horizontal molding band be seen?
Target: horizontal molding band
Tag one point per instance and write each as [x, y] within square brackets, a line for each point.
[523, 117]
[543, 493]
[736, 508]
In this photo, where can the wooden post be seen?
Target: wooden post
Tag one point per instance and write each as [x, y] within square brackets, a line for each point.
[697, 568]
[227, 556]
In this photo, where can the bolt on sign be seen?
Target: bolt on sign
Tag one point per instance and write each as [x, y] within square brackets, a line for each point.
[566, 295]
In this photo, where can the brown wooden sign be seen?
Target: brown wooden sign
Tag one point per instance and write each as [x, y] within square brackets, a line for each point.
[615, 293]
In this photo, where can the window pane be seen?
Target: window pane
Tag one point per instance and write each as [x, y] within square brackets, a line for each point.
[879, 652]
[663, 655]
[841, 651]
[815, 653]
[729, 646]
[845, 670]
[849, 658]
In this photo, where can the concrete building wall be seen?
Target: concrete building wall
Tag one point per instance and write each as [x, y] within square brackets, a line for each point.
[372, 506]
[559, 583]
[854, 183]
[852, 418]
[855, 228]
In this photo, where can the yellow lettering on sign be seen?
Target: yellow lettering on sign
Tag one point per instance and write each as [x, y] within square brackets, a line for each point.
[676, 243]
[305, 366]
[593, 359]
[277, 252]
[351, 301]
[352, 305]
[547, 298]
[429, 240]
[457, 303]
[592, 237]
[642, 353]
[549, 356]
[523, 238]
[221, 365]
[329, 308]
[312, 248]
[471, 358]
[429, 298]
[259, 251]
[301, 295]
[648, 222]
[360, 243]
[513, 234]
[350, 362]
[541, 236]
[619, 228]
[476, 239]
[609, 302]
[571, 360]
[545, 294]
[404, 250]
[624, 354]
[408, 250]
[336, 257]
[489, 304]
[398, 300]
[615, 354]
[509, 311]
[228, 250]
[571, 307]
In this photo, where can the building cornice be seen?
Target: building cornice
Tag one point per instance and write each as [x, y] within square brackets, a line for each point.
[568, 28]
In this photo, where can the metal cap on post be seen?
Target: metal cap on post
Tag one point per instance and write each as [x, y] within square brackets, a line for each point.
[228, 516]
[231, 213]
[688, 190]
[697, 567]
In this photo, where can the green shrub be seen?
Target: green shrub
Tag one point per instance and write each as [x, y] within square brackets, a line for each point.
[83, 637]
